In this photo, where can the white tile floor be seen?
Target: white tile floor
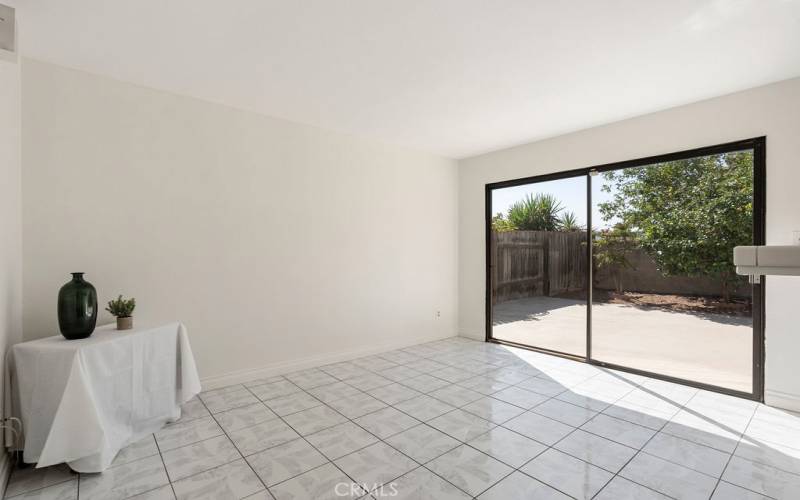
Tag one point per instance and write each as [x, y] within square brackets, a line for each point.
[452, 419]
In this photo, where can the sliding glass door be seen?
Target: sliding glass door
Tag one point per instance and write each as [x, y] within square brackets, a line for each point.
[630, 265]
[540, 276]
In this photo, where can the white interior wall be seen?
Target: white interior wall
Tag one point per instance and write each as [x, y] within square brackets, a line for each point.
[138, 188]
[277, 244]
[10, 217]
[773, 111]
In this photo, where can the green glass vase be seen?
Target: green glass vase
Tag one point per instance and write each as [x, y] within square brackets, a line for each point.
[77, 308]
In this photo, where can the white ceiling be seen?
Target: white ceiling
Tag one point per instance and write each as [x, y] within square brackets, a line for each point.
[454, 77]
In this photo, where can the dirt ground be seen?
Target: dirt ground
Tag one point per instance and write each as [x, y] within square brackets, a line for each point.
[668, 302]
[715, 305]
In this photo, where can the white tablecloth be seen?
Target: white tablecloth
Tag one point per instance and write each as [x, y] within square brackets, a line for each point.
[81, 401]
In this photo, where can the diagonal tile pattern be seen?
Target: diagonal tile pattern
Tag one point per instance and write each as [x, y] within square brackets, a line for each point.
[451, 419]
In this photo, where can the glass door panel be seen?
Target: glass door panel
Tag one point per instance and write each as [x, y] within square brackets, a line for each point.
[665, 297]
[539, 264]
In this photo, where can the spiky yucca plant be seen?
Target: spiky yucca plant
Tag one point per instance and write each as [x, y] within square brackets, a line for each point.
[568, 222]
[538, 212]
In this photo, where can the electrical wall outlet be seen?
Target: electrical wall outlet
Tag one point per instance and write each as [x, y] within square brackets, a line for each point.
[795, 237]
[438, 314]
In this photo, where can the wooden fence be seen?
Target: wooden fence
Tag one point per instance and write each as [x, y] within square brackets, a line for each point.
[531, 263]
[543, 263]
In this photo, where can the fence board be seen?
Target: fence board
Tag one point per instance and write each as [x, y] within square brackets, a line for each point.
[530, 263]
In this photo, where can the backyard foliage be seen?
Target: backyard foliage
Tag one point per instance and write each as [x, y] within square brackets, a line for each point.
[612, 248]
[540, 212]
[687, 214]
[535, 213]
[568, 222]
[501, 224]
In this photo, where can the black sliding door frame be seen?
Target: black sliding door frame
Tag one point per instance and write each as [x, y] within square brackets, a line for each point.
[758, 145]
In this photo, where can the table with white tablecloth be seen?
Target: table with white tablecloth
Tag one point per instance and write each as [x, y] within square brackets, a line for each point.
[81, 401]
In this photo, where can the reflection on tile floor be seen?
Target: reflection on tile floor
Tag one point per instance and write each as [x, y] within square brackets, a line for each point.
[451, 419]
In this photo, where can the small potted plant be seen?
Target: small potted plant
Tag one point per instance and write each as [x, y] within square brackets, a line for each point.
[122, 309]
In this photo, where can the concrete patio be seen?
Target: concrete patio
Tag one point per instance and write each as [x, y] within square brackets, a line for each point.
[710, 348]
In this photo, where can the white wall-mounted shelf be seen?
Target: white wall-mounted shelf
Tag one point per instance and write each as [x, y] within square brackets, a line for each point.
[767, 260]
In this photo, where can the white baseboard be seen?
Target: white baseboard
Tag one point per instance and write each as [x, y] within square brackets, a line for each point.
[784, 400]
[473, 335]
[273, 369]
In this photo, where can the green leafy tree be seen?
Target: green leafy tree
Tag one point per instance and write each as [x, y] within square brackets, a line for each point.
[611, 250]
[501, 224]
[538, 212]
[688, 214]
